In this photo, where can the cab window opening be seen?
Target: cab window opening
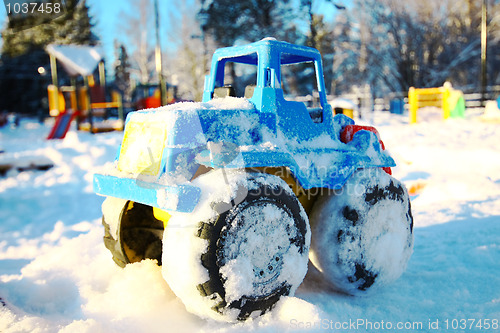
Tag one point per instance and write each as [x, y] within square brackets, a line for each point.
[299, 84]
[240, 77]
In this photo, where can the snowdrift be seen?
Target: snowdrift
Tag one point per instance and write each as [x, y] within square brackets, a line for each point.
[57, 276]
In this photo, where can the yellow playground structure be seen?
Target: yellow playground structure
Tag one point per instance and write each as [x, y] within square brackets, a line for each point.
[87, 103]
[451, 101]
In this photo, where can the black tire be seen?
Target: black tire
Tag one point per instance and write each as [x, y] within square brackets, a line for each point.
[363, 233]
[229, 238]
[133, 233]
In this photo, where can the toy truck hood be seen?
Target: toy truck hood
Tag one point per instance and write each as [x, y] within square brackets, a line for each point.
[164, 142]
[172, 141]
[193, 124]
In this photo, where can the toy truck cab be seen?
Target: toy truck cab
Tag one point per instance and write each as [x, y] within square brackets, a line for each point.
[297, 128]
[266, 93]
[221, 192]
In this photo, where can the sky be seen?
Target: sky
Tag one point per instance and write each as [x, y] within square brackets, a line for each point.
[108, 20]
[108, 17]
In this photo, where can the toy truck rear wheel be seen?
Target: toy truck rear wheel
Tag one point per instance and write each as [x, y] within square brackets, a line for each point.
[244, 246]
[131, 231]
[363, 233]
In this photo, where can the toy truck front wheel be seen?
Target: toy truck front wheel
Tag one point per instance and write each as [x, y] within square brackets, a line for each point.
[131, 231]
[245, 245]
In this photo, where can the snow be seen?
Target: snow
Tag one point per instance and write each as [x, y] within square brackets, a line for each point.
[263, 242]
[57, 276]
[491, 112]
[165, 114]
[343, 103]
[76, 59]
[112, 208]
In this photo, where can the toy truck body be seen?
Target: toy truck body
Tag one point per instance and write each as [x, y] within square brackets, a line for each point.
[221, 192]
[266, 129]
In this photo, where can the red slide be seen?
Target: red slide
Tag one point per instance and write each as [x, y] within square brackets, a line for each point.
[61, 126]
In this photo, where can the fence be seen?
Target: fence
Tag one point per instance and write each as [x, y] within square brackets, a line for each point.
[363, 98]
[473, 99]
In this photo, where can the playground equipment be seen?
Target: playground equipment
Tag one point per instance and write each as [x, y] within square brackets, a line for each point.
[57, 108]
[344, 106]
[93, 98]
[147, 96]
[221, 193]
[87, 103]
[449, 100]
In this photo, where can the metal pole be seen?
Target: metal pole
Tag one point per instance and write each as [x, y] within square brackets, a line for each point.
[483, 51]
[102, 74]
[87, 102]
[53, 70]
[163, 93]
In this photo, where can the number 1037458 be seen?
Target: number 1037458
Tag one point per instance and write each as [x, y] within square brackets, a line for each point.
[471, 324]
[25, 14]
[32, 7]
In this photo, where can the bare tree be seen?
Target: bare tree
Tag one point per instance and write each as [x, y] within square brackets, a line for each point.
[138, 27]
[395, 44]
[190, 61]
[229, 21]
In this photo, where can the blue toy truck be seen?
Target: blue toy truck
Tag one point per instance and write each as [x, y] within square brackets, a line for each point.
[225, 193]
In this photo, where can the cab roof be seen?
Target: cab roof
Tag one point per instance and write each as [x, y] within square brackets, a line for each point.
[267, 48]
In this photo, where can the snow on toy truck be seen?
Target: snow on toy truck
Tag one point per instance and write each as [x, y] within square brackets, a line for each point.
[226, 193]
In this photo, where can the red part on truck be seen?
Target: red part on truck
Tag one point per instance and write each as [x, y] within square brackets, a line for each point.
[349, 131]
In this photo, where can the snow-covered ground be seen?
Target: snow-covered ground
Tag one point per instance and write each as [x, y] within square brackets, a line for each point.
[57, 276]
